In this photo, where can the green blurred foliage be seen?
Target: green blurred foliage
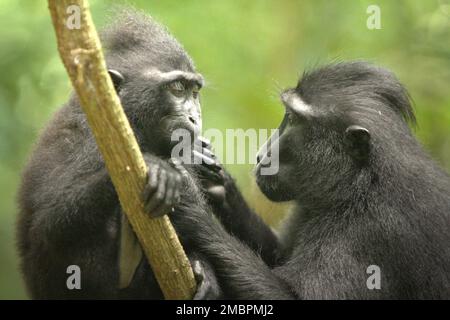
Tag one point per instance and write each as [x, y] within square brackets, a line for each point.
[247, 51]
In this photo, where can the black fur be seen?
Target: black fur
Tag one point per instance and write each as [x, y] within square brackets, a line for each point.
[366, 193]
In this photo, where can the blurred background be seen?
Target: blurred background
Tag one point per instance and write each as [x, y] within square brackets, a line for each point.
[247, 50]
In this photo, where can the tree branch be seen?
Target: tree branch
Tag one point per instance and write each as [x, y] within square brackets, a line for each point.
[82, 56]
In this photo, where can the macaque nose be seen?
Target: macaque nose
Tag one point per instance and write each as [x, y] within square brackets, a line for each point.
[193, 120]
[265, 152]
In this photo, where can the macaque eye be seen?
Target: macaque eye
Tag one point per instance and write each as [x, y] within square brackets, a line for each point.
[195, 93]
[292, 118]
[177, 88]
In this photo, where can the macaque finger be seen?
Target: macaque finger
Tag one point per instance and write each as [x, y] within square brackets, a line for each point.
[158, 197]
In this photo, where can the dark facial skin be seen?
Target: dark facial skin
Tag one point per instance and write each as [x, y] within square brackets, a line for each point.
[181, 95]
[276, 187]
[176, 90]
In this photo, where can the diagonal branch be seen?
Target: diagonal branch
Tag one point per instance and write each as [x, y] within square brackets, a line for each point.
[82, 56]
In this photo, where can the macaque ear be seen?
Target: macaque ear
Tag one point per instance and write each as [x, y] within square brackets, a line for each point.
[357, 139]
[116, 77]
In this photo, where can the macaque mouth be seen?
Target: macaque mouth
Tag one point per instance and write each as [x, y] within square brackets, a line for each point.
[174, 122]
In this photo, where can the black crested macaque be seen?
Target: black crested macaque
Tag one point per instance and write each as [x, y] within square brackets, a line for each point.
[69, 210]
[366, 194]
